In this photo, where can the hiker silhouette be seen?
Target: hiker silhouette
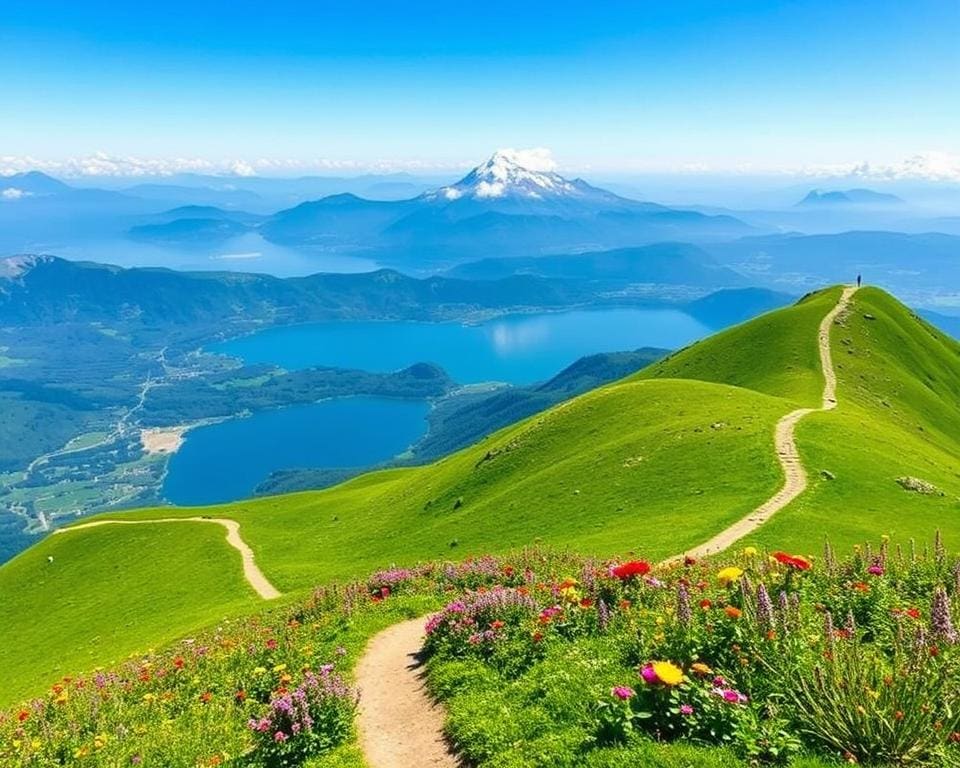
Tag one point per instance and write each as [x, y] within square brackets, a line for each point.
[859, 280]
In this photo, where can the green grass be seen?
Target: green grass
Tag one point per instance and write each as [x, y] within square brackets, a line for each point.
[648, 466]
[775, 353]
[898, 415]
[654, 464]
[110, 592]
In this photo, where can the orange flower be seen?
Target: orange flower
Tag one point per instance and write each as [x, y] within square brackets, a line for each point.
[733, 612]
[206, 696]
[706, 603]
[861, 586]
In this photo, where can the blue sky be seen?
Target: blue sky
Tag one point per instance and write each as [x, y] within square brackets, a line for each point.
[605, 85]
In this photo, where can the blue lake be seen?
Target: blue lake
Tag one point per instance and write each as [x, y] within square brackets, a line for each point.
[519, 349]
[226, 461]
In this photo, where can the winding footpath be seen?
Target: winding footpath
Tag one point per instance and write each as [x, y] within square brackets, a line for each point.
[251, 571]
[795, 476]
[401, 726]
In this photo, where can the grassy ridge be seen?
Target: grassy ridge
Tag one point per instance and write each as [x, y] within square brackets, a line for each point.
[775, 353]
[899, 390]
[111, 591]
[655, 463]
[610, 471]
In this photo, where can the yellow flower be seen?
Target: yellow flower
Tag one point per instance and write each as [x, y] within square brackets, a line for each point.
[700, 668]
[260, 670]
[81, 752]
[149, 698]
[729, 575]
[750, 551]
[61, 698]
[668, 673]
[99, 741]
[279, 667]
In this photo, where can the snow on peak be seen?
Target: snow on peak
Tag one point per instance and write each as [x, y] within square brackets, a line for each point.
[526, 173]
[13, 267]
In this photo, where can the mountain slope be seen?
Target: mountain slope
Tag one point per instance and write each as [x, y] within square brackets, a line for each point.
[504, 206]
[662, 263]
[653, 463]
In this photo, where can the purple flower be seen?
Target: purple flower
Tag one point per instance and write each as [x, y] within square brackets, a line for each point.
[764, 608]
[941, 623]
[603, 615]
[623, 692]
[648, 675]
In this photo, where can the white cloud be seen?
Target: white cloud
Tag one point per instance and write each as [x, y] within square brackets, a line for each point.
[939, 166]
[104, 164]
[12, 193]
[242, 168]
[533, 159]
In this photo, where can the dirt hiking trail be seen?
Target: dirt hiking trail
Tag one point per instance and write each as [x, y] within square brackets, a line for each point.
[795, 476]
[251, 571]
[399, 723]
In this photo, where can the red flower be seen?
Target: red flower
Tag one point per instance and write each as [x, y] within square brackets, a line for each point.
[688, 561]
[206, 696]
[240, 695]
[706, 603]
[793, 561]
[496, 624]
[271, 644]
[178, 662]
[631, 570]
[913, 613]
[586, 603]
[22, 715]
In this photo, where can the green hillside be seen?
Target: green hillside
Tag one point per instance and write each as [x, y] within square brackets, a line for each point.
[653, 464]
[110, 591]
[899, 416]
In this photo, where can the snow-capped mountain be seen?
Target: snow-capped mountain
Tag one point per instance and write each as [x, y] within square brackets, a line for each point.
[511, 174]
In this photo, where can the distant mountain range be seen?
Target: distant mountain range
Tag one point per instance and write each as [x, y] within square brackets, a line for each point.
[45, 290]
[501, 208]
[849, 197]
[662, 263]
[915, 265]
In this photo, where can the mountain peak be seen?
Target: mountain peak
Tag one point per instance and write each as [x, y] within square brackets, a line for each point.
[516, 173]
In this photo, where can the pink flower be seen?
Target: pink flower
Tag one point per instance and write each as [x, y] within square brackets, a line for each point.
[623, 692]
[648, 675]
[280, 736]
[686, 710]
[875, 570]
